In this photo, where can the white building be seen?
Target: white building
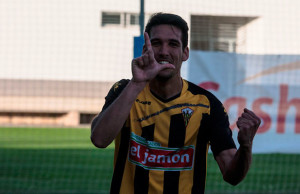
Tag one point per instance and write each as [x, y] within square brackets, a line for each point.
[60, 57]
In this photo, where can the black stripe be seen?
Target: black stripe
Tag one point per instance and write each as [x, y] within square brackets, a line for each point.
[141, 177]
[176, 140]
[170, 108]
[165, 100]
[200, 158]
[121, 160]
[148, 132]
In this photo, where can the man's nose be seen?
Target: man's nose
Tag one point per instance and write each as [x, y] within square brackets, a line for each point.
[164, 50]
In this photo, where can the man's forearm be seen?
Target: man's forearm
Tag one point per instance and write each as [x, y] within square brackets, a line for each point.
[108, 124]
[239, 165]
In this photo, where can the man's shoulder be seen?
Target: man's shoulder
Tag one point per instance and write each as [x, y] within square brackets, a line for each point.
[120, 85]
[117, 88]
[196, 89]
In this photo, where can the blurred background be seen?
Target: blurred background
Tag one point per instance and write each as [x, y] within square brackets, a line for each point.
[59, 58]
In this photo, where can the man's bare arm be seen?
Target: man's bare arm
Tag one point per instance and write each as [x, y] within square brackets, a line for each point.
[108, 124]
[234, 164]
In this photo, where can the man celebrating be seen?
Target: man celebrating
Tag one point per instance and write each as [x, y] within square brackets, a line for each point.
[163, 125]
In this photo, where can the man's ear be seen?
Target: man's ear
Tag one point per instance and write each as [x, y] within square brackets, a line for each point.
[186, 54]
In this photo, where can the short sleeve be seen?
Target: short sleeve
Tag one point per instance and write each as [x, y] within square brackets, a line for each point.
[220, 134]
[114, 92]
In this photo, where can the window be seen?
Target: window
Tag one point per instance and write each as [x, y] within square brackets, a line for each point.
[111, 18]
[86, 118]
[216, 33]
[134, 19]
[119, 19]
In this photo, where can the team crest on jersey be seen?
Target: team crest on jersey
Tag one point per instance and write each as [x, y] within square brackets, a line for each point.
[187, 114]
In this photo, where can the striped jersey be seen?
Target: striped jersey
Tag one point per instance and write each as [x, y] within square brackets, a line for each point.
[163, 146]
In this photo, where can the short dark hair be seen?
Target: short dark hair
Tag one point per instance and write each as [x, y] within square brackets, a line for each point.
[171, 19]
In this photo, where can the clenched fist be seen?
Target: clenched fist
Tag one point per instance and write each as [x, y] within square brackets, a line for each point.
[248, 124]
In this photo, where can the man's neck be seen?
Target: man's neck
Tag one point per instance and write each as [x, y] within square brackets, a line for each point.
[166, 88]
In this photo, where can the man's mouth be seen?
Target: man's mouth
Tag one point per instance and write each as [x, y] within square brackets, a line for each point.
[163, 62]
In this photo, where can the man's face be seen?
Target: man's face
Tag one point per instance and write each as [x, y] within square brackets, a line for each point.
[167, 47]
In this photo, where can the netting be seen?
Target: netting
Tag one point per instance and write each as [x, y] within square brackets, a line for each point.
[59, 58]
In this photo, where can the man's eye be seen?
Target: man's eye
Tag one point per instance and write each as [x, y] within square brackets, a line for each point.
[174, 44]
[154, 43]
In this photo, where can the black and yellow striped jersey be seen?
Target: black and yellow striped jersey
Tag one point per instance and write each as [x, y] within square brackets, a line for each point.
[163, 146]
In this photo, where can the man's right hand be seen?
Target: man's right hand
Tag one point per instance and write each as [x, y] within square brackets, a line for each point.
[145, 67]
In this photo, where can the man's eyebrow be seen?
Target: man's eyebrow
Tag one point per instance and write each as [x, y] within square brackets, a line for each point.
[174, 40]
[170, 40]
[154, 39]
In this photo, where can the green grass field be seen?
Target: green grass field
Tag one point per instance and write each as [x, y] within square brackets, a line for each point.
[61, 160]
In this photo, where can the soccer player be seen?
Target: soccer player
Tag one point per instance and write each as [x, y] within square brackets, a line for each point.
[163, 125]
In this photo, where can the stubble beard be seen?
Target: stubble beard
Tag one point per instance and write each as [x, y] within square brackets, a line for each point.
[165, 76]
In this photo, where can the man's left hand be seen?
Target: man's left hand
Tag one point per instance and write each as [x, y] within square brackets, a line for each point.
[248, 124]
